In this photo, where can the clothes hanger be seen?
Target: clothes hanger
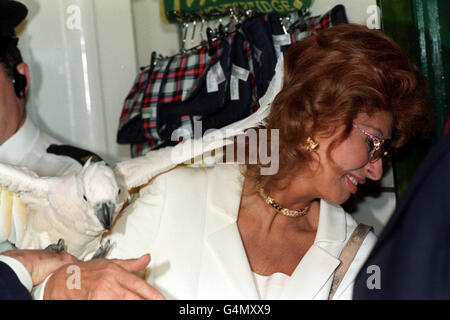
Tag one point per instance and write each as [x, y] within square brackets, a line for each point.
[237, 15]
[300, 22]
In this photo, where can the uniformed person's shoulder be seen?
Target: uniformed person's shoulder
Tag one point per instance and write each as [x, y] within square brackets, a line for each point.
[78, 154]
[35, 155]
[56, 158]
[52, 147]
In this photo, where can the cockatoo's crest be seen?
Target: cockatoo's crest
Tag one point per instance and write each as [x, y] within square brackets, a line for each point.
[99, 183]
[100, 191]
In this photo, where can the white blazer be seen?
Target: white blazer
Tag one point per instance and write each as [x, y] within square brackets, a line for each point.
[186, 219]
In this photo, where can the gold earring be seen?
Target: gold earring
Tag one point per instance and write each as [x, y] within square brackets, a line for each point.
[311, 144]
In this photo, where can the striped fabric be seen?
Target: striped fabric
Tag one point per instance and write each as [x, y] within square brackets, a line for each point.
[139, 149]
[169, 81]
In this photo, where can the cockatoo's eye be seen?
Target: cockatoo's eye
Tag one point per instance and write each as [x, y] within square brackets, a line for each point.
[84, 197]
[118, 192]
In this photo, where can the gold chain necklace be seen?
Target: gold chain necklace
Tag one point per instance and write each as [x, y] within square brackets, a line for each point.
[280, 209]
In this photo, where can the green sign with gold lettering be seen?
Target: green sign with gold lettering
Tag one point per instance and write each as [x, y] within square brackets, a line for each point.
[205, 6]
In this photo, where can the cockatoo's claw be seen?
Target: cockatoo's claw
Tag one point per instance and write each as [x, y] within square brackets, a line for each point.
[58, 247]
[102, 251]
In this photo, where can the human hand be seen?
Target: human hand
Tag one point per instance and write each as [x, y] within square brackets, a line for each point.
[40, 263]
[102, 279]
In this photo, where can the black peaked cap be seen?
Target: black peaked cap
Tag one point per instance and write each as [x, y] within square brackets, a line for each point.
[12, 14]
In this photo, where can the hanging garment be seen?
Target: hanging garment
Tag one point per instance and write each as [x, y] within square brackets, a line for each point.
[206, 98]
[130, 124]
[257, 32]
[335, 16]
[216, 101]
[281, 38]
[168, 81]
[241, 97]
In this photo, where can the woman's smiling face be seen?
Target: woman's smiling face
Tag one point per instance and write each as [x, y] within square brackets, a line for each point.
[352, 165]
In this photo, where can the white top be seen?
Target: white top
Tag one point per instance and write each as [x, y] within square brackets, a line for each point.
[270, 287]
[28, 148]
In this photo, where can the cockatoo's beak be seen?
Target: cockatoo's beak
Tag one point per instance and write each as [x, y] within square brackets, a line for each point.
[105, 213]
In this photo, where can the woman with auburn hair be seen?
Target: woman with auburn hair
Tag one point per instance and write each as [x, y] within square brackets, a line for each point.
[339, 100]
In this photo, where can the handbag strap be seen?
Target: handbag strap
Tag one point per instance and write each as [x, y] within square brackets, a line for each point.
[348, 254]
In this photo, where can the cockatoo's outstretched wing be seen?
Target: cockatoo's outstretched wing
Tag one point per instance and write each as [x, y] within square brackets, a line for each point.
[139, 171]
[13, 216]
[15, 181]
[22, 180]
[78, 207]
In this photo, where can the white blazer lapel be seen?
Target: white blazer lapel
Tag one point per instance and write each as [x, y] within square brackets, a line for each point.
[312, 277]
[224, 259]
[230, 265]
[225, 266]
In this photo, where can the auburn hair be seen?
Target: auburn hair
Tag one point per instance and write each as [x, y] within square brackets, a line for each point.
[330, 78]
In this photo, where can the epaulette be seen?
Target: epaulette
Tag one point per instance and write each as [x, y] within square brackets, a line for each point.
[78, 154]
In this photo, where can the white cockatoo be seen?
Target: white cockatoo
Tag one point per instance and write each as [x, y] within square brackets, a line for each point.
[36, 212]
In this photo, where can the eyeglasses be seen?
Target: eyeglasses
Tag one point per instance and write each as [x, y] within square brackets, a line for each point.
[378, 147]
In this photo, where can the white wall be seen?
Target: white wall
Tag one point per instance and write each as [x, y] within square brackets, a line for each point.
[151, 33]
[82, 59]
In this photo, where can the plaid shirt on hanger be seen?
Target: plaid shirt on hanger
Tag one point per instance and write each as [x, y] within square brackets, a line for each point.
[170, 81]
[142, 148]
